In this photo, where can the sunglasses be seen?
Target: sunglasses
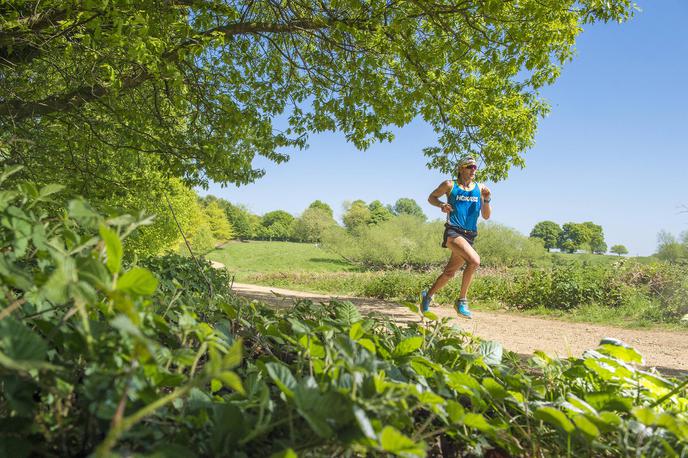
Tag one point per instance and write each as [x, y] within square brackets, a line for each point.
[472, 167]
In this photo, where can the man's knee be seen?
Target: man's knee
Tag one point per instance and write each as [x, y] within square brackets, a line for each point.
[473, 262]
[450, 271]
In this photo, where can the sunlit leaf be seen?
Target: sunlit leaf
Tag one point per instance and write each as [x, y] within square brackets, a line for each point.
[555, 417]
[393, 441]
[408, 346]
[113, 248]
[138, 281]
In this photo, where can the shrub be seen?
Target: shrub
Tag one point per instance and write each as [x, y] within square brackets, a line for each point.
[312, 224]
[404, 241]
[663, 282]
[500, 245]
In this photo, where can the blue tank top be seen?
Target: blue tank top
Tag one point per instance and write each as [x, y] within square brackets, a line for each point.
[466, 207]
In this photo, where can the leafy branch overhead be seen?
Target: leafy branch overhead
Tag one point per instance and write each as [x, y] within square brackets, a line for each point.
[199, 88]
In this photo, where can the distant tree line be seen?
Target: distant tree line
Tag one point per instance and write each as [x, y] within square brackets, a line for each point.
[316, 219]
[572, 237]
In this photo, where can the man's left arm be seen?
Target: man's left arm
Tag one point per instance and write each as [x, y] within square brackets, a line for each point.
[486, 196]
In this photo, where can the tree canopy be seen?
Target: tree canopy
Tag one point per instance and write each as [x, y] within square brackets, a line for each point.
[548, 231]
[587, 235]
[94, 92]
[356, 215]
[378, 213]
[322, 206]
[408, 206]
[619, 249]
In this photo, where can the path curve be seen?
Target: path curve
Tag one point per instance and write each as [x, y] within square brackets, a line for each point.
[666, 350]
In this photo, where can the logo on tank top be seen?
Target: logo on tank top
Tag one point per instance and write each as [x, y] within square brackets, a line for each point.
[463, 198]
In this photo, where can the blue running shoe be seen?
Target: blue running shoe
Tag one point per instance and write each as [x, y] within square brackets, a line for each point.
[425, 301]
[462, 308]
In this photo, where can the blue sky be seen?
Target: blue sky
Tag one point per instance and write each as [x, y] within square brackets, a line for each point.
[613, 150]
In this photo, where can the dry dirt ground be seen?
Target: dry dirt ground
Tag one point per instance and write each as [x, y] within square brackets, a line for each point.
[666, 350]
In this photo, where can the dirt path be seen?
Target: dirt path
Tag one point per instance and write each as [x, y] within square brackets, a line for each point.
[521, 334]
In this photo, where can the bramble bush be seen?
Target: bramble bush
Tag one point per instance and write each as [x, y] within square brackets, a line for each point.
[102, 358]
[660, 288]
[404, 241]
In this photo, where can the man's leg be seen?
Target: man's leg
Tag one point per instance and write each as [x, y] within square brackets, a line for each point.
[468, 253]
[455, 262]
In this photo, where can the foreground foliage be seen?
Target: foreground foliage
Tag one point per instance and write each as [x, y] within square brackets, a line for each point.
[100, 357]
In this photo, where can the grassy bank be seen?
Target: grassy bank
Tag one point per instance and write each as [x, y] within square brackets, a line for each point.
[245, 259]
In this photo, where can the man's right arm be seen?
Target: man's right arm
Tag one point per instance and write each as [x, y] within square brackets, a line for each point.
[442, 190]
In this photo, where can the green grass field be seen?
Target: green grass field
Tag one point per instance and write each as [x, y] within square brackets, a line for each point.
[245, 259]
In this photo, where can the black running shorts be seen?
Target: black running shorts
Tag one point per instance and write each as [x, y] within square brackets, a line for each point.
[455, 231]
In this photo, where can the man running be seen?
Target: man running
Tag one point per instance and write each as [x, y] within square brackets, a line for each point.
[466, 200]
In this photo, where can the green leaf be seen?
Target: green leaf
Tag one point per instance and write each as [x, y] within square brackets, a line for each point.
[477, 421]
[364, 423]
[586, 426]
[455, 411]
[283, 378]
[368, 345]
[346, 312]
[356, 331]
[83, 213]
[21, 343]
[231, 380]
[233, 357]
[124, 324]
[609, 400]
[411, 306]
[49, 189]
[56, 288]
[645, 415]
[463, 383]
[393, 441]
[288, 453]
[674, 424]
[495, 389]
[624, 353]
[322, 411]
[424, 366]
[138, 281]
[9, 171]
[580, 404]
[113, 248]
[555, 417]
[6, 197]
[408, 346]
[491, 352]
[430, 316]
